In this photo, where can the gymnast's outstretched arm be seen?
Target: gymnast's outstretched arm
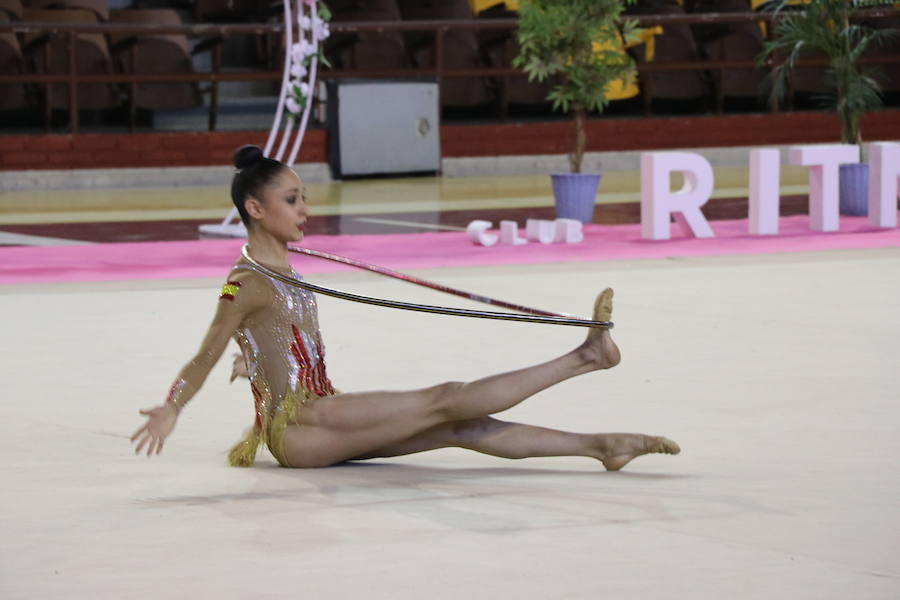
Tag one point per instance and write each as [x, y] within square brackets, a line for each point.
[243, 295]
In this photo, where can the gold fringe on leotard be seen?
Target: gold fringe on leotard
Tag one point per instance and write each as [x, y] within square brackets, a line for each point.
[243, 454]
[277, 426]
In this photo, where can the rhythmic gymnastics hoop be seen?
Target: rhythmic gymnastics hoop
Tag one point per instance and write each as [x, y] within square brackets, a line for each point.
[533, 315]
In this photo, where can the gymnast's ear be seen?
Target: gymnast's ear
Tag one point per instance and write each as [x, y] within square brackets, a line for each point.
[253, 207]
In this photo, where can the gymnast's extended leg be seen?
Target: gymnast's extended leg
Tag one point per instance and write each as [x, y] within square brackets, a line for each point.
[516, 440]
[347, 426]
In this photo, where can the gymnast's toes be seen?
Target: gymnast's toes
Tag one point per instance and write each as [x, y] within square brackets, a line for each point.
[603, 305]
[599, 347]
[663, 445]
[627, 447]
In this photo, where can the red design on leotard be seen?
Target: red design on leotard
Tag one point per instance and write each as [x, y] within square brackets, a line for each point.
[257, 403]
[315, 380]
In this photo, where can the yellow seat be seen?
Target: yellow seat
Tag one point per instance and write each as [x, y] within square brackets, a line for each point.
[617, 90]
[480, 5]
[621, 89]
[755, 4]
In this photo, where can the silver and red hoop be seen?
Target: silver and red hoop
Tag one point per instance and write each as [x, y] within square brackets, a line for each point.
[532, 315]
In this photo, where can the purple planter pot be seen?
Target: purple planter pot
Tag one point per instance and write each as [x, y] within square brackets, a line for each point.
[854, 189]
[575, 195]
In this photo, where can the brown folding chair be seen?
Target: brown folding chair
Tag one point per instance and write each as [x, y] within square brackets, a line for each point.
[807, 84]
[154, 53]
[732, 41]
[366, 51]
[50, 54]
[13, 96]
[97, 7]
[460, 49]
[233, 11]
[12, 9]
[499, 47]
[676, 44]
[888, 74]
[260, 50]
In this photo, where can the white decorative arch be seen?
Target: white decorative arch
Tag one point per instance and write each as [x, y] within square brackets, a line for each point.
[283, 125]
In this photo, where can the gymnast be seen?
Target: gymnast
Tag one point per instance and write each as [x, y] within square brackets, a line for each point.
[304, 420]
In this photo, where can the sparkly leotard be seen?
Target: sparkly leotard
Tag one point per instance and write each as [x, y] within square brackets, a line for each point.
[285, 358]
[277, 328]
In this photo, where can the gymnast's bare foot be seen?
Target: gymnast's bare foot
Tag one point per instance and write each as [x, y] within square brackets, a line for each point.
[619, 449]
[599, 349]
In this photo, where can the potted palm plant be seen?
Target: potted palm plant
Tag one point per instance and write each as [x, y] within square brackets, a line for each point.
[580, 44]
[825, 26]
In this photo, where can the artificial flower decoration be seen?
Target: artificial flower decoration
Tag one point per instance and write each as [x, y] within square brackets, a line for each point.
[313, 30]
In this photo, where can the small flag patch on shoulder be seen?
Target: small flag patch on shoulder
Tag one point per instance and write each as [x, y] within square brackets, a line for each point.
[230, 290]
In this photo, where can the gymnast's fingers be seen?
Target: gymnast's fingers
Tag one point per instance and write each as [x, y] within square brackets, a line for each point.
[142, 443]
[141, 429]
[159, 446]
[151, 447]
[238, 367]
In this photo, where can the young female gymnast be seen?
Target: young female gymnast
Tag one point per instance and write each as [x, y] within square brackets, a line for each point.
[304, 421]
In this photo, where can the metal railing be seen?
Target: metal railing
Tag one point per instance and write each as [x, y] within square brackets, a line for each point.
[212, 36]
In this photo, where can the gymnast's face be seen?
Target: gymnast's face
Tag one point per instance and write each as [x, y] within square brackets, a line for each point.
[282, 211]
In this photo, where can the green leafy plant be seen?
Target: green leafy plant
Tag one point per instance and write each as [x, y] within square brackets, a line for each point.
[580, 43]
[825, 26]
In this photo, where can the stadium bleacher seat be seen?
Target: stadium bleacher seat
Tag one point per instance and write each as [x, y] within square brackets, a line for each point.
[499, 48]
[232, 11]
[13, 96]
[98, 7]
[12, 9]
[732, 41]
[460, 49]
[887, 75]
[92, 57]
[675, 44]
[155, 53]
[367, 50]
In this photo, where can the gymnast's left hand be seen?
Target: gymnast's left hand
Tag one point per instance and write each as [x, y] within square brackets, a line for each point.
[152, 434]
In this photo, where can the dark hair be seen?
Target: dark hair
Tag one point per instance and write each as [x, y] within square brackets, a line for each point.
[254, 173]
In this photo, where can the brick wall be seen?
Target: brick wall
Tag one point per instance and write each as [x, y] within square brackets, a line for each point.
[104, 150]
[657, 133]
[21, 152]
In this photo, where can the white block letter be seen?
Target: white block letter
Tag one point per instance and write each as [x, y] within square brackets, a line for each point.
[540, 230]
[659, 203]
[764, 183]
[824, 180]
[884, 183]
[568, 231]
[509, 233]
[477, 232]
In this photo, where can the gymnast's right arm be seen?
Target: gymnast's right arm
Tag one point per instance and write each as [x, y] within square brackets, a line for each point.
[242, 295]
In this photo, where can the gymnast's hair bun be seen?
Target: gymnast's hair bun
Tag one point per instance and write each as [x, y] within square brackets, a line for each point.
[247, 156]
